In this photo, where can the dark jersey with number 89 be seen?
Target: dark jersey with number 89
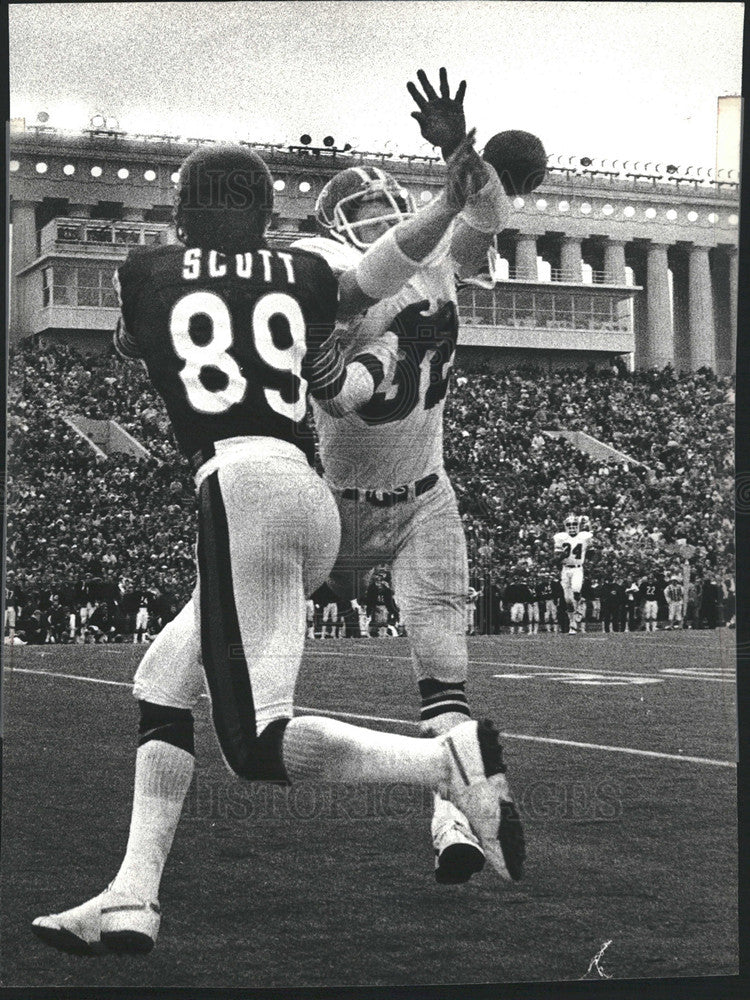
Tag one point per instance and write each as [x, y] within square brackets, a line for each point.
[228, 339]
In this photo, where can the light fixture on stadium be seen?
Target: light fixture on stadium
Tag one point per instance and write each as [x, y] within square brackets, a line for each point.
[586, 161]
[672, 168]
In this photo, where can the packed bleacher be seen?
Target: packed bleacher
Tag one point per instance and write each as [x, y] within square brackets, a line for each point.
[92, 531]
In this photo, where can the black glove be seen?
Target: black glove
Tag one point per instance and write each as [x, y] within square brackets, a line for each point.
[441, 119]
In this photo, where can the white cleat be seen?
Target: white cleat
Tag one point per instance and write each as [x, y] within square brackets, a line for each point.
[111, 921]
[478, 787]
[458, 854]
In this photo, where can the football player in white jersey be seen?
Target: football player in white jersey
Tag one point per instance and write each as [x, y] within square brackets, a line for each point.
[571, 546]
[384, 461]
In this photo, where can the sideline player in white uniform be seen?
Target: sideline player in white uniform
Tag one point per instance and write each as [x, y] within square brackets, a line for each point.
[268, 533]
[384, 462]
[571, 546]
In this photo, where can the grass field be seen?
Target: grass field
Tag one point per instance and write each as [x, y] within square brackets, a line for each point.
[621, 750]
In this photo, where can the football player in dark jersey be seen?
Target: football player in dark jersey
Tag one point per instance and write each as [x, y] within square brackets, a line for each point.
[233, 335]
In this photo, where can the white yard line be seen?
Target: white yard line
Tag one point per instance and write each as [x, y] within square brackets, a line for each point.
[683, 758]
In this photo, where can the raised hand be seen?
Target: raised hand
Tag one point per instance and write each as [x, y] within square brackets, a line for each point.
[467, 173]
[441, 119]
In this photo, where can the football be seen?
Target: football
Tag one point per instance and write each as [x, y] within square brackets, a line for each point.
[519, 159]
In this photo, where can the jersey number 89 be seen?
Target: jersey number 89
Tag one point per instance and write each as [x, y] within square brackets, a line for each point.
[214, 353]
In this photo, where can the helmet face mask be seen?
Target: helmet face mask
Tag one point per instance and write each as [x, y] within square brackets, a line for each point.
[339, 202]
[571, 524]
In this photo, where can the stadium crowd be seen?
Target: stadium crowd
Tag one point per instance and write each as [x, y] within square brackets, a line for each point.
[92, 538]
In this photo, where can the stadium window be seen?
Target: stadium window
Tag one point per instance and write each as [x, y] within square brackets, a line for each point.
[41, 168]
[518, 202]
[671, 214]
[583, 312]
[425, 196]
[712, 218]
[564, 206]
[127, 236]
[46, 286]
[607, 209]
[692, 216]
[123, 173]
[585, 208]
[96, 171]
[89, 286]
[279, 185]
[174, 176]
[650, 213]
[628, 211]
[63, 285]
[109, 296]
[13, 166]
[98, 234]
[733, 220]
[541, 204]
[304, 186]
[69, 169]
[543, 312]
[149, 175]
[523, 311]
[68, 234]
[562, 307]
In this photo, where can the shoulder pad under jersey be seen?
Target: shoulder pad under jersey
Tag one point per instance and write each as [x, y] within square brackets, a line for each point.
[338, 256]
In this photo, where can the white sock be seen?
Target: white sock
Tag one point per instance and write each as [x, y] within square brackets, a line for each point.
[319, 749]
[162, 777]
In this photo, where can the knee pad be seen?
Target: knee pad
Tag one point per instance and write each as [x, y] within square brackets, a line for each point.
[170, 725]
[259, 758]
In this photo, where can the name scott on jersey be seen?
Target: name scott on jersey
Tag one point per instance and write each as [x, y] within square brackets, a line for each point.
[198, 263]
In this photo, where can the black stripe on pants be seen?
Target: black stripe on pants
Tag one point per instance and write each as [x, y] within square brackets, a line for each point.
[224, 662]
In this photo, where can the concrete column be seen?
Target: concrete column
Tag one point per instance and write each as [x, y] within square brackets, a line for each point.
[22, 252]
[571, 258]
[659, 318]
[681, 295]
[526, 266]
[702, 331]
[733, 293]
[614, 262]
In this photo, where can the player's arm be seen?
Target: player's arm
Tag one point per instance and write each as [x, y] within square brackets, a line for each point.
[442, 122]
[339, 385]
[125, 344]
[398, 254]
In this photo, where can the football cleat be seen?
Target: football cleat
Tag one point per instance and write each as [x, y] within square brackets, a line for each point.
[111, 921]
[458, 855]
[478, 787]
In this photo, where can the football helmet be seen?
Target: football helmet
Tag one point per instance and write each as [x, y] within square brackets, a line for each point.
[339, 200]
[571, 524]
[224, 194]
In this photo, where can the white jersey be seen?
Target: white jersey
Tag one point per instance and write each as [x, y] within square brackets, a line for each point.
[396, 438]
[573, 546]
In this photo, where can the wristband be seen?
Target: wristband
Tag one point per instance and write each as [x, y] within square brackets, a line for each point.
[488, 210]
